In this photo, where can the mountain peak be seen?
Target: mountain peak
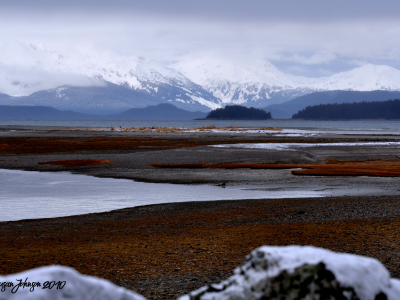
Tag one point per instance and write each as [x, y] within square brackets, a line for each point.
[368, 77]
[209, 70]
[27, 69]
[201, 83]
[85, 64]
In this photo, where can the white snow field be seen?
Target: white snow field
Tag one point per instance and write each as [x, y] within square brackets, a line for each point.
[298, 146]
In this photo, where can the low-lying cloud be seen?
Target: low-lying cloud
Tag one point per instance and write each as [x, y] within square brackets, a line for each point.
[21, 81]
[306, 34]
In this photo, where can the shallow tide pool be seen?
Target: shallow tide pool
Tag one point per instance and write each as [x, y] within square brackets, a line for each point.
[33, 195]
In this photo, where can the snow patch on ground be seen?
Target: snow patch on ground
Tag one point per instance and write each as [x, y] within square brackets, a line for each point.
[235, 130]
[298, 146]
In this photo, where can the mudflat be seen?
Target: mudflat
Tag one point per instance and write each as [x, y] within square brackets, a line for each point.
[133, 153]
[163, 251]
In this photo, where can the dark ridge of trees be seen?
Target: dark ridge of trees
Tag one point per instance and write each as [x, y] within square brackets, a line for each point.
[358, 110]
[238, 112]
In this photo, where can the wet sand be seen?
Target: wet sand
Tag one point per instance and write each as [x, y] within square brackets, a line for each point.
[132, 153]
[163, 251]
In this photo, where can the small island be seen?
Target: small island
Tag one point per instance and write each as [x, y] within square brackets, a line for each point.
[238, 112]
[389, 109]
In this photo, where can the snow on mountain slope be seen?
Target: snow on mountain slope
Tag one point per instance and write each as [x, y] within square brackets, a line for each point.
[240, 83]
[366, 78]
[260, 83]
[208, 70]
[87, 62]
[25, 69]
[87, 76]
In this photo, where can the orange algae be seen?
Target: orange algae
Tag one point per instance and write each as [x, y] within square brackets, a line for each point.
[331, 167]
[77, 162]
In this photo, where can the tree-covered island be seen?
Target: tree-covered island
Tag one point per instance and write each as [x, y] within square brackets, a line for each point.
[238, 112]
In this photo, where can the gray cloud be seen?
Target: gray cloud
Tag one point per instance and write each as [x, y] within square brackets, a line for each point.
[305, 37]
[304, 10]
[22, 81]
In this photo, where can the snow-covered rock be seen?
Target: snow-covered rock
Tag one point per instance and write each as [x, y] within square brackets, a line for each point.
[296, 272]
[59, 283]
[269, 273]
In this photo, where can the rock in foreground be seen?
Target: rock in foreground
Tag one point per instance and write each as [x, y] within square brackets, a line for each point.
[59, 283]
[310, 273]
[269, 273]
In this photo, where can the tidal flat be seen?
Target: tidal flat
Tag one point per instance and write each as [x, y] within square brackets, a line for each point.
[165, 250]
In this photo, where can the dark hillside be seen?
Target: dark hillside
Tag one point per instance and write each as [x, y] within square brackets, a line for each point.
[41, 113]
[287, 109]
[362, 110]
[162, 111]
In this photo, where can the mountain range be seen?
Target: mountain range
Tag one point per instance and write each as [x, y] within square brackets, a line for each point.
[259, 84]
[90, 81]
[163, 111]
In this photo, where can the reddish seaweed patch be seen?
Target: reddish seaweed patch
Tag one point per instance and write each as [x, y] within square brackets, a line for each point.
[225, 166]
[45, 145]
[381, 168]
[77, 162]
[331, 167]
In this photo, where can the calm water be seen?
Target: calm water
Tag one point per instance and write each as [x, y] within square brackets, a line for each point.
[387, 125]
[28, 194]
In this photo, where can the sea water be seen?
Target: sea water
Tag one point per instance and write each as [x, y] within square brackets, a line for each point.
[33, 195]
[358, 125]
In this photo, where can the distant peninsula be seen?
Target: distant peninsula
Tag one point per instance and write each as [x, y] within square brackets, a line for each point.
[163, 111]
[238, 112]
[389, 109]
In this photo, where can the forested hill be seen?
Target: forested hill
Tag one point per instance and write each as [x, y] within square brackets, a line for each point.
[358, 110]
[238, 112]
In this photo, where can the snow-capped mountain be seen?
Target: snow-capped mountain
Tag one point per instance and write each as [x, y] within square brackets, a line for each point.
[26, 69]
[260, 83]
[365, 78]
[255, 84]
[87, 80]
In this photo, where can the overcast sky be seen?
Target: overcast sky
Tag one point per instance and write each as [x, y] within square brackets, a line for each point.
[302, 37]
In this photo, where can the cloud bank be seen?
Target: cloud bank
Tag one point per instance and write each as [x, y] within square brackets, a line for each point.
[311, 38]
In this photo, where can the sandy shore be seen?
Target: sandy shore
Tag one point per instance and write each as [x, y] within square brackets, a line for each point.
[163, 251]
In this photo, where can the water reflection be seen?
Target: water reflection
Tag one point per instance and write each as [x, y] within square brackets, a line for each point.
[31, 195]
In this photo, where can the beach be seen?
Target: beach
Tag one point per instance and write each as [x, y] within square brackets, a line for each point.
[165, 250]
